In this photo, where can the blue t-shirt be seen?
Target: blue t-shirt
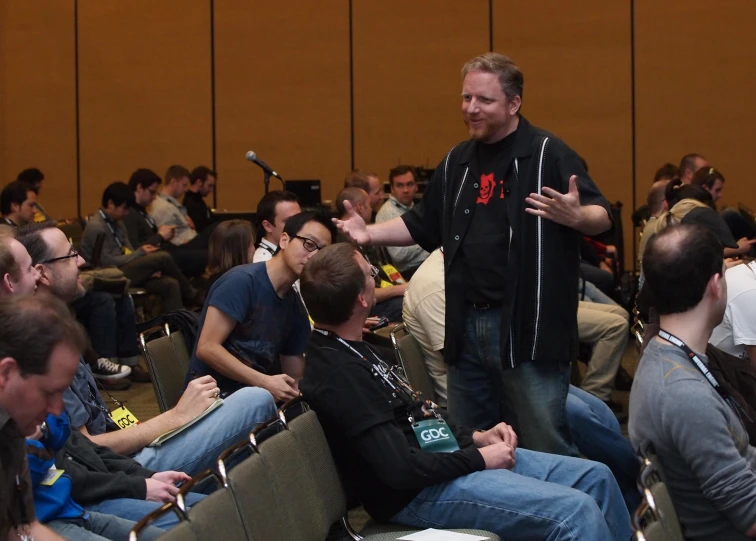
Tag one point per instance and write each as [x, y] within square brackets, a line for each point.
[266, 325]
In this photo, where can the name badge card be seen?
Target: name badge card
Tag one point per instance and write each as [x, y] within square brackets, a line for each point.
[435, 436]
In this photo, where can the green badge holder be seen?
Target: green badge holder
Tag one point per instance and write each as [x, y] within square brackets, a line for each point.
[435, 436]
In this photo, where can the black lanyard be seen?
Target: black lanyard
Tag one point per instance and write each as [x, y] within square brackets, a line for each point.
[264, 246]
[149, 220]
[696, 360]
[109, 223]
[93, 398]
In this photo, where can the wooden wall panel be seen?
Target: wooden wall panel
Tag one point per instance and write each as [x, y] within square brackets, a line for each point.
[37, 98]
[576, 62]
[282, 90]
[408, 58]
[144, 72]
[695, 77]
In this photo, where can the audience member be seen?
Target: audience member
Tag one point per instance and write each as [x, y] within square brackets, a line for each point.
[146, 266]
[388, 293]
[667, 172]
[657, 205]
[595, 430]
[736, 334]
[272, 212]
[231, 244]
[406, 259]
[371, 184]
[382, 441]
[142, 229]
[710, 180]
[201, 184]
[39, 345]
[676, 408]
[17, 204]
[689, 164]
[254, 327]
[507, 299]
[34, 178]
[191, 451]
[19, 275]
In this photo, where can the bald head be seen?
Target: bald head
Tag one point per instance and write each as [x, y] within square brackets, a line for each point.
[358, 198]
[656, 200]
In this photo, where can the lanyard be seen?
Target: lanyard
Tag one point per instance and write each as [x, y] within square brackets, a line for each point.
[398, 384]
[149, 220]
[736, 407]
[94, 399]
[112, 230]
[264, 246]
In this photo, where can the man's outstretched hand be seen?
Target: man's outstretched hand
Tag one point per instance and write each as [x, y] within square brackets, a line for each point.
[562, 208]
[354, 226]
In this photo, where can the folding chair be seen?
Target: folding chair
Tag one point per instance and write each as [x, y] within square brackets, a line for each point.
[411, 358]
[168, 361]
[657, 507]
[216, 516]
[181, 532]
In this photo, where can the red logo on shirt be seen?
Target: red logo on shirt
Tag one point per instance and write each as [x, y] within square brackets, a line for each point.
[487, 186]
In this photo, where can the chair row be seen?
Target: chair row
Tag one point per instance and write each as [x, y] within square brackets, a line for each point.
[655, 519]
[283, 485]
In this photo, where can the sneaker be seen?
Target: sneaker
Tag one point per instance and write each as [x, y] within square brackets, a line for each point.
[105, 369]
[140, 375]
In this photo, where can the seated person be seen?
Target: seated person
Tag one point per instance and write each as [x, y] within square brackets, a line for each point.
[595, 430]
[736, 334]
[142, 229]
[372, 186]
[254, 327]
[193, 450]
[34, 177]
[17, 204]
[382, 441]
[689, 420]
[167, 210]
[146, 266]
[18, 276]
[388, 294]
[272, 212]
[403, 189]
[201, 184]
[231, 244]
[710, 180]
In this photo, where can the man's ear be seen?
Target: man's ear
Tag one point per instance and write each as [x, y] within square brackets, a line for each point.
[44, 278]
[283, 242]
[15, 207]
[515, 104]
[714, 285]
[6, 285]
[267, 226]
[7, 366]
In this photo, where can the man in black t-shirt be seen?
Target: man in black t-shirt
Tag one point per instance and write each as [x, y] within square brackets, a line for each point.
[508, 207]
[405, 463]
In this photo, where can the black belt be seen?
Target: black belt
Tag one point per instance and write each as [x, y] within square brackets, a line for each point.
[485, 305]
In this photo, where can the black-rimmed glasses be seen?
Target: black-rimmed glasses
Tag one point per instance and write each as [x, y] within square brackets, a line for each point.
[72, 254]
[309, 244]
[374, 271]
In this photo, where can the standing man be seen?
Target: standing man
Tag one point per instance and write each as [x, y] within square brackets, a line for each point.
[509, 207]
[40, 344]
[201, 184]
[406, 259]
[18, 204]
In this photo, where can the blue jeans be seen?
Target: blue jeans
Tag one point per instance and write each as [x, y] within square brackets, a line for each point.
[100, 527]
[110, 322]
[197, 448]
[531, 396]
[543, 497]
[596, 432]
[133, 509]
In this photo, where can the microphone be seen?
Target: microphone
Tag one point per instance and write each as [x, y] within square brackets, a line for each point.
[251, 156]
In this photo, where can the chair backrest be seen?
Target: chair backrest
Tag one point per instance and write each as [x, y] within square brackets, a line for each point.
[168, 361]
[411, 358]
[657, 499]
[216, 516]
[182, 531]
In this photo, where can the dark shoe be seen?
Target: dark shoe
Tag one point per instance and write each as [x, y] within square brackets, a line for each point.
[623, 381]
[140, 375]
[116, 384]
[107, 370]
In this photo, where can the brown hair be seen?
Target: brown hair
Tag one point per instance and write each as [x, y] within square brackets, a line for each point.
[176, 172]
[229, 246]
[330, 283]
[510, 76]
[706, 176]
[354, 196]
[31, 326]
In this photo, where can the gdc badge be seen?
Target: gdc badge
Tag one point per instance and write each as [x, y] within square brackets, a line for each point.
[435, 436]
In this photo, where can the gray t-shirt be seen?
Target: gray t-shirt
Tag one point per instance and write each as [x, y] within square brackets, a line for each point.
[701, 443]
[84, 404]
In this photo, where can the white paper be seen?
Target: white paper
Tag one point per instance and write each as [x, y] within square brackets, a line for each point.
[441, 535]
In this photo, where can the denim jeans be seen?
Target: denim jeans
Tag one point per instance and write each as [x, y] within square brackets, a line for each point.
[543, 497]
[110, 323]
[531, 396]
[100, 527]
[197, 448]
[135, 510]
[596, 432]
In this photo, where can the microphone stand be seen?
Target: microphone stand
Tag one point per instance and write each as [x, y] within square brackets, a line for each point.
[266, 180]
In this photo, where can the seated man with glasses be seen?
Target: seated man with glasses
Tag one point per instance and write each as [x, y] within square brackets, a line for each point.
[254, 327]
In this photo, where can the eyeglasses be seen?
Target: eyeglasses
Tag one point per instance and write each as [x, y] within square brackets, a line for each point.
[72, 254]
[374, 271]
[309, 244]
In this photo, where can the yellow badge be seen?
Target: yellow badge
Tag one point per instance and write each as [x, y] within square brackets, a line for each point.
[392, 273]
[123, 417]
[51, 476]
[126, 251]
[384, 283]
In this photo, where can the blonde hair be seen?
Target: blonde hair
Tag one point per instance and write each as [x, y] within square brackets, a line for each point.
[510, 76]
[675, 215]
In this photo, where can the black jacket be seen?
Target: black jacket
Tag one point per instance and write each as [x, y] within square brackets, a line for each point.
[140, 228]
[98, 473]
[541, 322]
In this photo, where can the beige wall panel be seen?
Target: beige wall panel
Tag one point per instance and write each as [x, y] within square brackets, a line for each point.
[37, 98]
[282, 90]
[144, 80]
[695, 79]
[576, 62]
[407, 80]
